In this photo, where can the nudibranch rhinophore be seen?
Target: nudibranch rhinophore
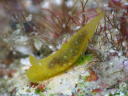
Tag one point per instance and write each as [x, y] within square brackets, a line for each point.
[66, 56]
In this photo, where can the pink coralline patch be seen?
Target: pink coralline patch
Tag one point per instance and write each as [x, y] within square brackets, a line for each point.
[93, 76]
[41, 87]
[98, 90]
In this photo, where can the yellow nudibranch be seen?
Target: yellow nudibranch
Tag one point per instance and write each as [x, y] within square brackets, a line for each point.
[66, 56]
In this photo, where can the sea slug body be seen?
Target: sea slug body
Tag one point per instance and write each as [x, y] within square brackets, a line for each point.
[66, 56]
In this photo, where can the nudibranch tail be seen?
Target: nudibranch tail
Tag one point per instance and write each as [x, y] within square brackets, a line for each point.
[66, 56]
